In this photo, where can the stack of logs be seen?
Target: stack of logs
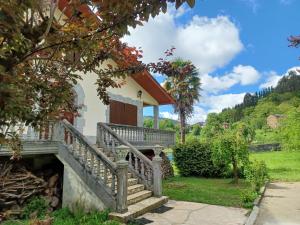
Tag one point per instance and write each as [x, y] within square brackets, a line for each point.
[18, 185]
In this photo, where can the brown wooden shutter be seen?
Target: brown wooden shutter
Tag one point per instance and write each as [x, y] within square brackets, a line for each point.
[130, 117]
[122, 113]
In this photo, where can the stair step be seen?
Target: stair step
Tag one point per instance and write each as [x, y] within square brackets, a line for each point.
[139, 209]
[132, 181]
[109, 178]
[135, 188]
[139, 196]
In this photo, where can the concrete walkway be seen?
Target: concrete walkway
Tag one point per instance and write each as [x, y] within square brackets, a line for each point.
[280, 205]
[189, 213]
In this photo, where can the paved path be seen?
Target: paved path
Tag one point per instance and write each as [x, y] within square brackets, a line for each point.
[189, 213]
[280, 205]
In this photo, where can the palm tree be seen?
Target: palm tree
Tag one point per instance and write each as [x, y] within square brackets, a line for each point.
[184, 86]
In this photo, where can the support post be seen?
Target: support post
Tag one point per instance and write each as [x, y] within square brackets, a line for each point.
[157, 173]
[155, 116]
[122, 176]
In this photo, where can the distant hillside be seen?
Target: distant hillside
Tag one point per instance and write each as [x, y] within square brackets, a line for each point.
[284, 100]
[161, 118]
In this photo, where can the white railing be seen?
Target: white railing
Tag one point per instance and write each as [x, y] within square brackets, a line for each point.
[142, 136]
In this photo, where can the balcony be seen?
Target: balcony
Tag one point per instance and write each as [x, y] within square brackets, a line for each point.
[140, 137]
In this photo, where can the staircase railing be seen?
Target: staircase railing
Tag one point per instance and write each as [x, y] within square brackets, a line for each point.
[108, 174]
[144, 136]
[146, 170]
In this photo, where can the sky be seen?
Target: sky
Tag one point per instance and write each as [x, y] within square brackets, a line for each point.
[238, 46]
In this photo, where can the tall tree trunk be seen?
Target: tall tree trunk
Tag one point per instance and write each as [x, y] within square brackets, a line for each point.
[182, 127]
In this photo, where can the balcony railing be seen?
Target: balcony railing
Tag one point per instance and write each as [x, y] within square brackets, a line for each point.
[141, 136]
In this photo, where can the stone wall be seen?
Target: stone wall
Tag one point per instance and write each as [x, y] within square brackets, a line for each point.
[265, 147]
[76, 192]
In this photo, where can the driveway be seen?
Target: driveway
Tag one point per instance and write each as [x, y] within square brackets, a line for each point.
[280, 205]
[189, 213]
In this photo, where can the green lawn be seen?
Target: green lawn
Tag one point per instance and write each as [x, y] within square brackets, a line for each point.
[210, 191]
[282, 166]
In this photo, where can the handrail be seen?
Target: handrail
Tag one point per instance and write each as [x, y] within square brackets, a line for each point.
[95, 167]
[141, 128]
[138, 164]
[85, 141]
[142, 136]
[124, 142]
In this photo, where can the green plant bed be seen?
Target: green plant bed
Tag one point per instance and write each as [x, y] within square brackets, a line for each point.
[282, 166]
[65, 217]
[206, 190]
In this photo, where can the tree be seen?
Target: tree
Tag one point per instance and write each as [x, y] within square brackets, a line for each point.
[289, 130]
[288, 83]
[196, 130]
[213, 126]
[42, 51]
[183, 84]
[148, 122]
[231, 147]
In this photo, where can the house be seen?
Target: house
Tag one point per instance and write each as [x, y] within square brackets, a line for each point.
[273, 120]
[102, 149]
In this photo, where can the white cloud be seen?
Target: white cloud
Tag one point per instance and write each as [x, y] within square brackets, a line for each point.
[273, 78]
[215, 103]
[168, 115]
[199, 115]
[244, 75]
[271, 81]
[209, 43]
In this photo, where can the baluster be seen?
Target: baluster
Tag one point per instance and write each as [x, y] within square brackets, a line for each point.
[30, 133]
[113, 146]
[92, 164]
[98, 172]
[74, 147]
[80, 152]
[136, 163]
[130, 159]
[41, 133]
[50, 127]
[105, 175]
[85, 152]
[142, 169]
[68, 137]
[113, 185]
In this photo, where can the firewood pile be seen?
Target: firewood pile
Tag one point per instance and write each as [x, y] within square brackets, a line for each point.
[18, 184]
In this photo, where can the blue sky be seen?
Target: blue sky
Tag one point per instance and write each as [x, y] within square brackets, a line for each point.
[238, 46]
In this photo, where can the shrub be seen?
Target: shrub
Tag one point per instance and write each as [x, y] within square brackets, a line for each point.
[195, 159]
[231, 147]
[256, 173]
[37, 205]
[248, 198]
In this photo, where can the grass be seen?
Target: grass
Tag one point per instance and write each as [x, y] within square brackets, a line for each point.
[210, 191]
[65, 217]
[282, 165]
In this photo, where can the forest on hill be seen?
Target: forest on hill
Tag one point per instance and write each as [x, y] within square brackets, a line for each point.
[282, 101]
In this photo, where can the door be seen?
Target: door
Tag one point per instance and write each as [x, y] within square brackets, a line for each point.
[122, 113]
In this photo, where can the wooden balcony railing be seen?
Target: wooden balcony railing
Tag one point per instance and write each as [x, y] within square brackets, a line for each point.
[141, 136]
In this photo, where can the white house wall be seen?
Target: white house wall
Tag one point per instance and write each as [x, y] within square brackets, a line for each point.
[95, 111]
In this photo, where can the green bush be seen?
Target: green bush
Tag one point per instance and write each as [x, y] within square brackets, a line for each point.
[195, 159]
[36, 205]
[248, 198]
[257, 174]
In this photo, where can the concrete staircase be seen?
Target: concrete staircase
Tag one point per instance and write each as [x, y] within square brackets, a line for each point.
[139, 200]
